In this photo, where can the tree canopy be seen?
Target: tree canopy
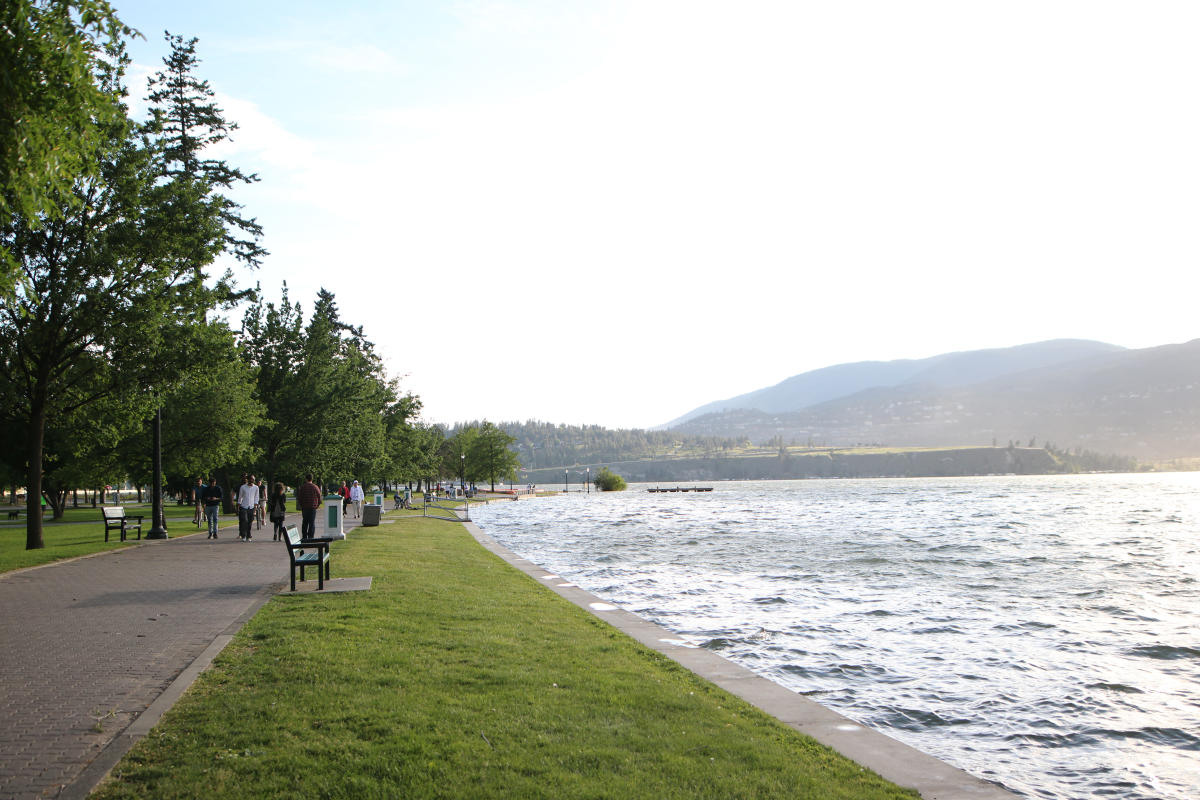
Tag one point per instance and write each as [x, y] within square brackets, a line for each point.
[51, 101]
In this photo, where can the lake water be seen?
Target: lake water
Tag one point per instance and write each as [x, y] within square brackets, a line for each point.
[1036, 631]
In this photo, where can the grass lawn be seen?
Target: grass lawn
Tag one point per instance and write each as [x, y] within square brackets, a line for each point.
[457, 676]
[81, 532]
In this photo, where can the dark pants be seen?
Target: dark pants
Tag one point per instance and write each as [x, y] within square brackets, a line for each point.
[308, 523]
[245, 521]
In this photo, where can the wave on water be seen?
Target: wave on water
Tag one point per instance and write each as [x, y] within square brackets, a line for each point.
[1166, 652]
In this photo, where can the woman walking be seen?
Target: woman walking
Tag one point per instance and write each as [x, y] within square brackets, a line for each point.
[277, 509]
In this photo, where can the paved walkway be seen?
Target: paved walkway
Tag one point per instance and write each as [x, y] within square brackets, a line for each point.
[90, 644]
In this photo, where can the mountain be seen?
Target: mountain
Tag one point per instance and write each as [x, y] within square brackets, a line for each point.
[950, 369]
[1141, 403]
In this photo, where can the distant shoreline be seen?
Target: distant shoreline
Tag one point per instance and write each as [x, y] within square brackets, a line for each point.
[845, 462]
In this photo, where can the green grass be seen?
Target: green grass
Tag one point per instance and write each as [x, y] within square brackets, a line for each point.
[81, 532]
[457, 676]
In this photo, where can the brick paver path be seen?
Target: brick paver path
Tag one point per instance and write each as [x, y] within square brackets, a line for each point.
[87, 645]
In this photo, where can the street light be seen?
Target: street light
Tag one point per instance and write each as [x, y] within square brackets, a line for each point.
[589, 480]
[566, 485]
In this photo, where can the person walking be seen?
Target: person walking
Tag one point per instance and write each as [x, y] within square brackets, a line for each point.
[198, 500]
[344, 492]
[277, 510]
[356, 497]
[260, 509]
[247, 499]
[308, 500]
[212, 505]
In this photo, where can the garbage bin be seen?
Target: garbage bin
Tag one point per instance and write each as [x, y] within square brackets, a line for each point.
[371, 514]
[333, 519]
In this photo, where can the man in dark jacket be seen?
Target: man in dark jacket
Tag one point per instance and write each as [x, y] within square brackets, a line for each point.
[212, 505]
[308, 500]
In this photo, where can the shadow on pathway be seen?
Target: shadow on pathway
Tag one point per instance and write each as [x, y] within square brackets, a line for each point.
[90, 644]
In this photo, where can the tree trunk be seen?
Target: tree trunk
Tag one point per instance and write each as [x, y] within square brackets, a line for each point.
[34, 439]
[57, 497]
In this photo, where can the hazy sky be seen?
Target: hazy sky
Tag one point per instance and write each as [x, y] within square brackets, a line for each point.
[613, 212]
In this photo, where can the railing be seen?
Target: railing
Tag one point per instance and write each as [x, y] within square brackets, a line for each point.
[436, 503]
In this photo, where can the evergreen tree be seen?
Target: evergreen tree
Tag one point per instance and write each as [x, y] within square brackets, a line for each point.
[327, 402]
[272, 340]
[186, 120]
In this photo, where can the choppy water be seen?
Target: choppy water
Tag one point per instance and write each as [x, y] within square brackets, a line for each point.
[1037, 631]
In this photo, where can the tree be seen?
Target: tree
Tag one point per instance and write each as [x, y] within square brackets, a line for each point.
[341, 366]
[456, 454]
[103, 286]
[51, 100]
[323, 389]
[491, 456]
[186, 121]
[272, 340]
[209, 415]
[428, 444]
[98, 286]
[402, 438]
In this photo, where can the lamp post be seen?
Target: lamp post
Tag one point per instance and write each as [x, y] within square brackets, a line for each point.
[566, 484]
[589, 480]
[159, 528]
[463, 472]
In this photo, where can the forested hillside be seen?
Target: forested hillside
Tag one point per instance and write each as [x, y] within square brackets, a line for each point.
[545, 444]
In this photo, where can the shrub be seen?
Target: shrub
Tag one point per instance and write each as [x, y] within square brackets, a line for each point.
[609, 481]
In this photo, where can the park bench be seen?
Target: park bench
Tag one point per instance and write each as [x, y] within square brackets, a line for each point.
[116, 520]
[307, 553]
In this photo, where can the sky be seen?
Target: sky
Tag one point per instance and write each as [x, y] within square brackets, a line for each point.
[613, 212]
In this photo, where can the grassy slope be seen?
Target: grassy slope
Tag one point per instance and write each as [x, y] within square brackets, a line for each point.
[458, 677]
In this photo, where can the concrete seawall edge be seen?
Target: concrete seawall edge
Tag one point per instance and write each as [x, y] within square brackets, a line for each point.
[899, 763]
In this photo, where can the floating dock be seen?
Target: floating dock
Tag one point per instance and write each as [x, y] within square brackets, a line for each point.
[683, 489]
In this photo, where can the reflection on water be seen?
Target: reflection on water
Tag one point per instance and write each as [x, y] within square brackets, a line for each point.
[1037, 631]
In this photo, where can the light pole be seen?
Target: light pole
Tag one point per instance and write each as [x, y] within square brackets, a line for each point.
[566, 485]
[463, 472]
[589, 480]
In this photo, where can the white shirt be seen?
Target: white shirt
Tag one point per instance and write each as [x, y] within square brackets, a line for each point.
[247, 495]
[356, 493]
